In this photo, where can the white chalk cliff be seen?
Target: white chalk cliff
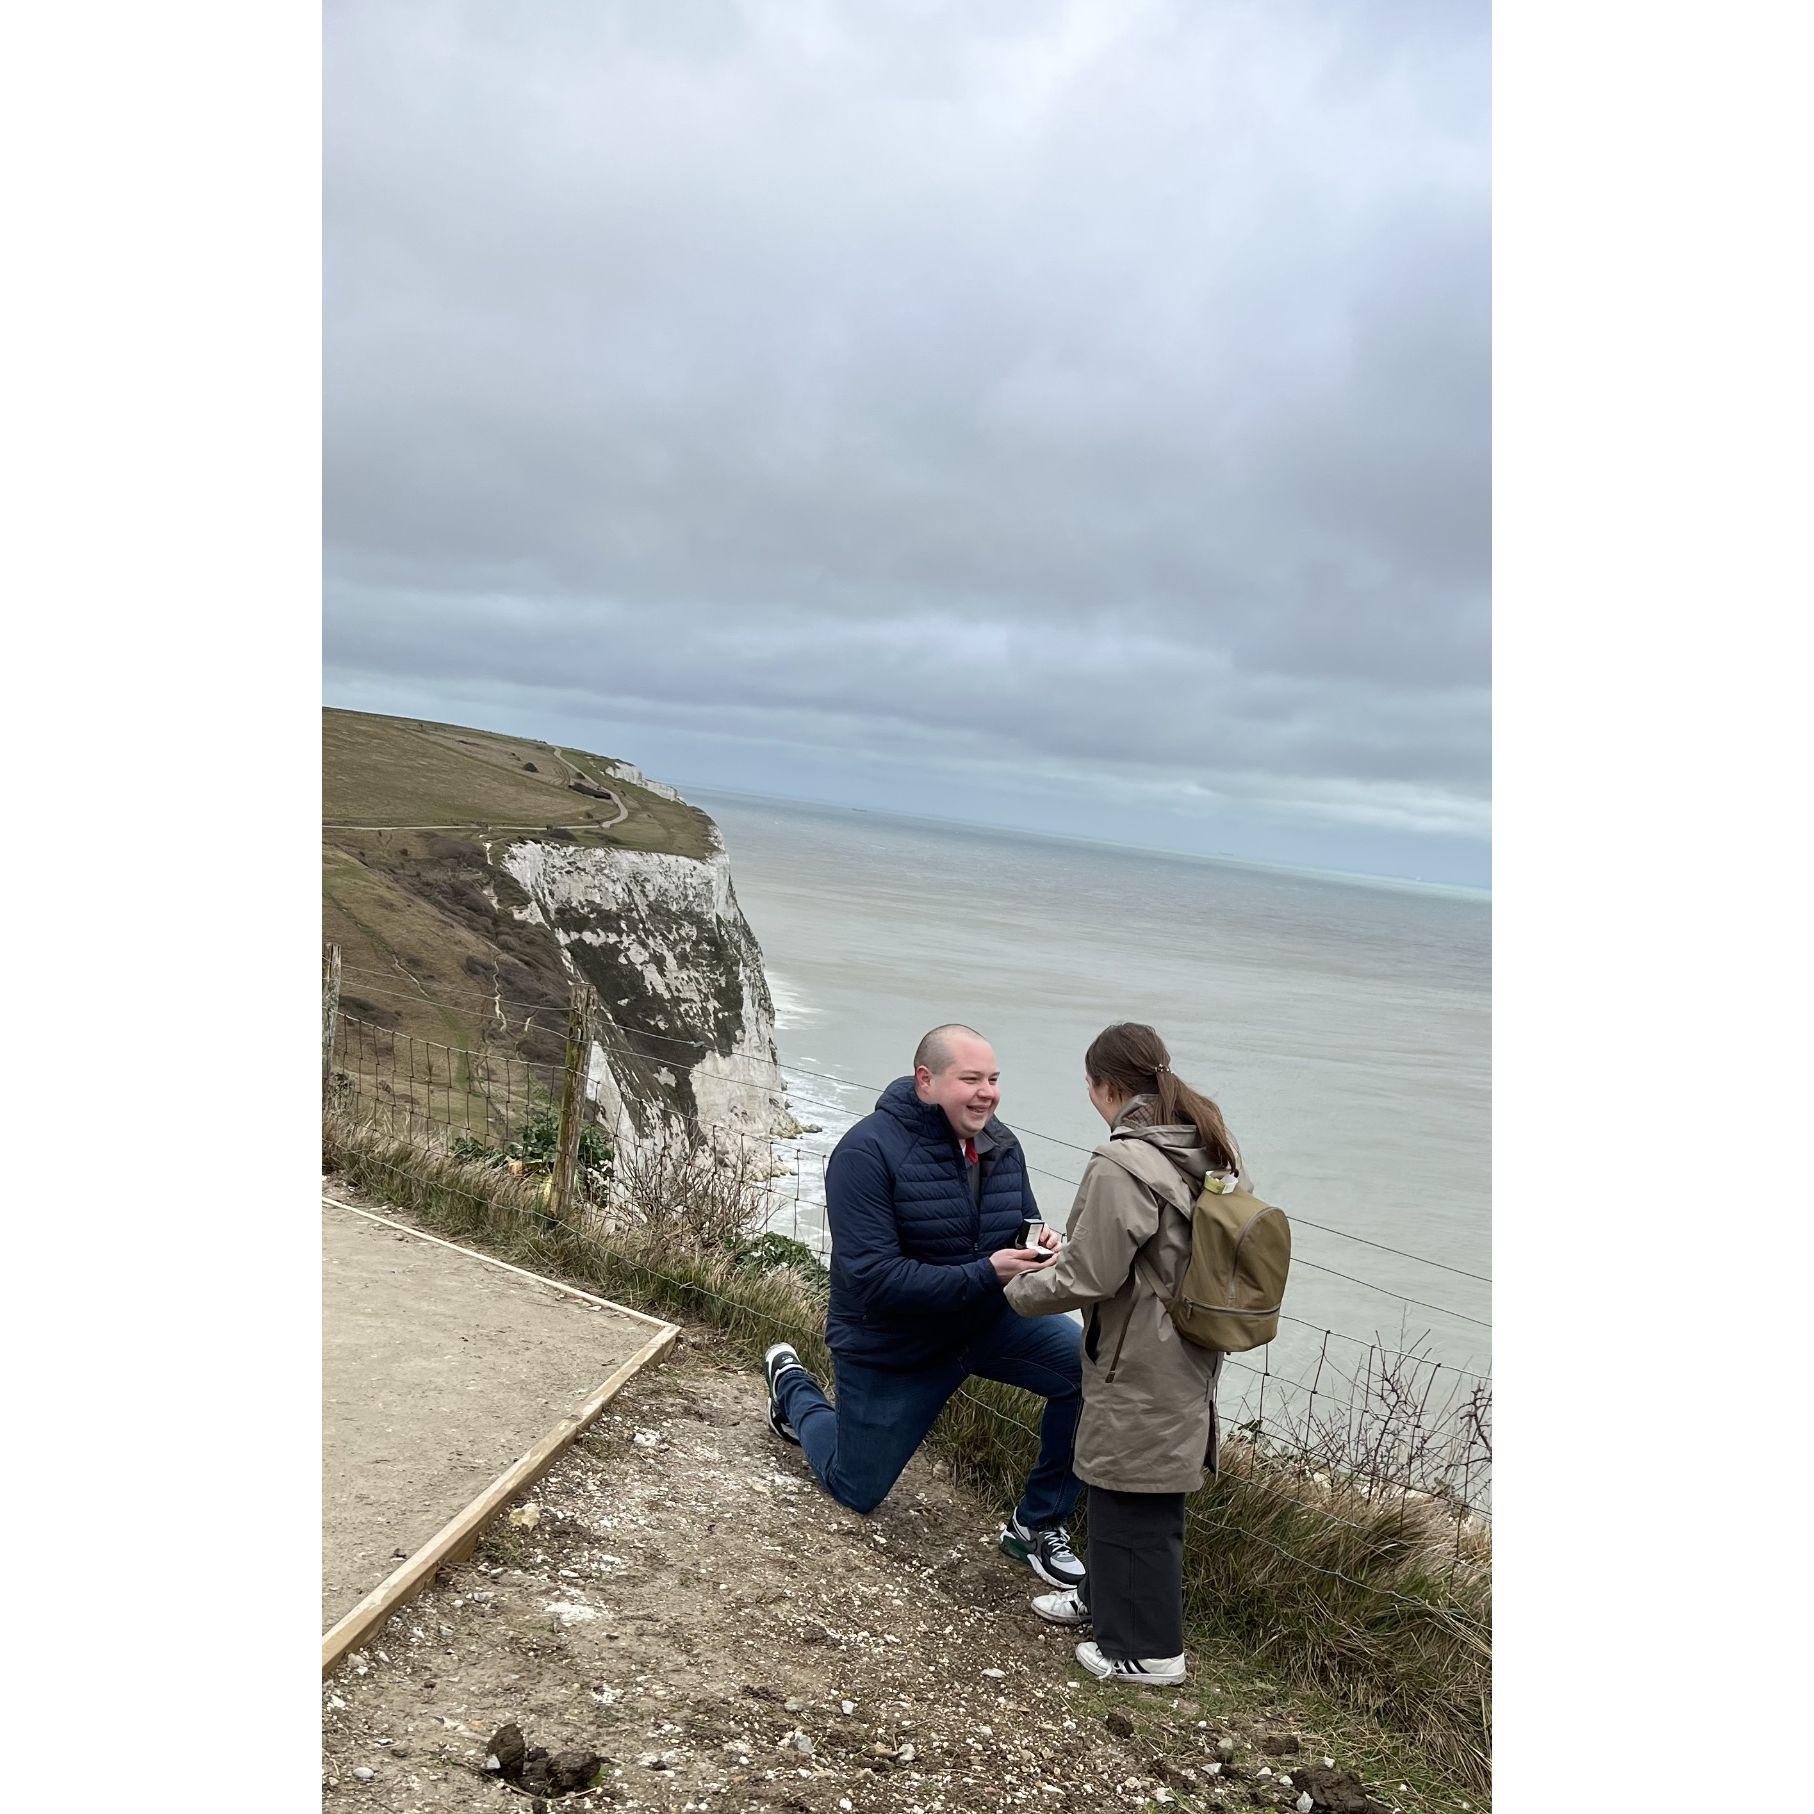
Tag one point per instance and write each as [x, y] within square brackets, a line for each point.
[688, 1023]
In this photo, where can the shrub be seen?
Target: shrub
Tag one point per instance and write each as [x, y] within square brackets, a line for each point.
[772, 1252]
[692, 1192]
[534, 1148]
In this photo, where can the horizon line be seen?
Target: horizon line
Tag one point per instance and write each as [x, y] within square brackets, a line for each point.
[1363, 877]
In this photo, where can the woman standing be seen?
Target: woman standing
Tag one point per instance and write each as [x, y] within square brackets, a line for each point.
[1148, 1429]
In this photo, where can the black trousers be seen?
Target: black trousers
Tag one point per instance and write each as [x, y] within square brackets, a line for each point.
[1135, 1585]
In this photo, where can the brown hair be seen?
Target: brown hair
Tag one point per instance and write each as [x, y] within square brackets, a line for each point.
[1133, 1058]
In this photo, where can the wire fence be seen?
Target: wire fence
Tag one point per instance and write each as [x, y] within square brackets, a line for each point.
[633, 1044]
[1390, 1418]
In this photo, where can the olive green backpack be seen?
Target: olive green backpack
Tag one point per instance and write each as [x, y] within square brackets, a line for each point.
[1240, 1251]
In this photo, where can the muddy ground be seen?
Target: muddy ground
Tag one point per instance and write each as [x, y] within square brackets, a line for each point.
[438, 1371]
[688, 1606]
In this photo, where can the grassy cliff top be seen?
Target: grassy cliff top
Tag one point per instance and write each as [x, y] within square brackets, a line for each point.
[413, 773]
[431, 943]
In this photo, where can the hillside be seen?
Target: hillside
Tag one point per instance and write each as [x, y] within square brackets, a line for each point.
[470, 878]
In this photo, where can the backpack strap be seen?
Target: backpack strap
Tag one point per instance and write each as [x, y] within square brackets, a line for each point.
[1151, 1283]
[1141, 1269]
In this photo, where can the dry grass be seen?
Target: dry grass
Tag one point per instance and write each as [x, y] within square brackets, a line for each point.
[692, 1193]
[1382, 1602]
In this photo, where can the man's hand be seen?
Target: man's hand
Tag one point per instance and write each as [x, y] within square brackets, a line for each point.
[1011, 1262]
[1049, 1238]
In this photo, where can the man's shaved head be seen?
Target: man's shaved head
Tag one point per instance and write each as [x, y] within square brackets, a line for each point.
[935, 1051]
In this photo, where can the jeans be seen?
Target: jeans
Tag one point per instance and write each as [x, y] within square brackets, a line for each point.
[858, 1449]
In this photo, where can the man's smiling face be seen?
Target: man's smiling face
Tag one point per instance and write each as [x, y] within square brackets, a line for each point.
[968, 1089]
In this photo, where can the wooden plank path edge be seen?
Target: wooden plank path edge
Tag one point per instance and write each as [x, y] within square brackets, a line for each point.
[456, 1539]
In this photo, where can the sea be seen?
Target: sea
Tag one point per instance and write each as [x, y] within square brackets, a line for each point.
[1342, 1024]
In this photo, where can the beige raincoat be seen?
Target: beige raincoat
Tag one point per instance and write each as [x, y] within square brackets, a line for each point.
[1149, 1396]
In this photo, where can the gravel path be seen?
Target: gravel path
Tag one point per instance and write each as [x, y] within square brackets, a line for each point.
[438, 1371]
[684, 1604]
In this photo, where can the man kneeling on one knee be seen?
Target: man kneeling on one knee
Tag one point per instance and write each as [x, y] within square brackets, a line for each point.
[926, 1197]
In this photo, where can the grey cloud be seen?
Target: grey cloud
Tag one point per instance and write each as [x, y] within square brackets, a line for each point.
[1087, 388]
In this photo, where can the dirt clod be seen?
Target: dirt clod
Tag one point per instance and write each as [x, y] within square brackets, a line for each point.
[1173, 1775]
[510, 1748]
[1334, 1791]
[569, 1770]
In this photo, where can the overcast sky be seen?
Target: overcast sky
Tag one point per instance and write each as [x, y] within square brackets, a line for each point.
[1073, 417]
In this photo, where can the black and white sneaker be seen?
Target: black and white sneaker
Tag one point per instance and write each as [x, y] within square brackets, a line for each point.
[1139, 1672]
[1047, 1553]
[775, 1362]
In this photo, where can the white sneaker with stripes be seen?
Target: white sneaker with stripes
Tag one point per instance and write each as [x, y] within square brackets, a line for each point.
[1063, 1608]
[1145, 1672]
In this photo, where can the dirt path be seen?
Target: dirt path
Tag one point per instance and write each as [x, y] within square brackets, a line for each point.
[438, 1371]
[579, 774]
[690, 1607]
[623, 812]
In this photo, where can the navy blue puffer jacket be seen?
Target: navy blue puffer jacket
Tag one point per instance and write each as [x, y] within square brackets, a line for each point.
[911, 1282]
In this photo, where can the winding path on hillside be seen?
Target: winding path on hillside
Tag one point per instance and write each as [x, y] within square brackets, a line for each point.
[623, 812]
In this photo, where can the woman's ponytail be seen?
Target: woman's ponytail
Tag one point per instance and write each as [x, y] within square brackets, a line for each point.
[1131, 1056]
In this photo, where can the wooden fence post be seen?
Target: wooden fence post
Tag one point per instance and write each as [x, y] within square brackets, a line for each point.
[580, 1020]
[330, 1014]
